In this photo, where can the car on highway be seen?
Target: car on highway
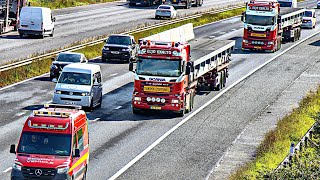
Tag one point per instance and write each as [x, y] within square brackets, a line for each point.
[318, 4]
[119, 47]
[64, 59]
[309, 19]
[54, 144]
[36, 21]
[79, 84]
[165, 11]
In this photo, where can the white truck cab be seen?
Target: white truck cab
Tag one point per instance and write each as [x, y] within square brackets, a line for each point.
[288, 3]
[79, 84]
[36, 21]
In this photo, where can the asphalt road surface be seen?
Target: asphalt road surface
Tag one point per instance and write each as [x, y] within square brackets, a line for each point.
[79, 23]
[117, 136]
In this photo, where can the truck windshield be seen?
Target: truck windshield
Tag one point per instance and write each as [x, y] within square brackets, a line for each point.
[120, 40]
[260, 20]
[157, 67]
[45, 143]
[285, 4]
[307, 14]
[75, 78]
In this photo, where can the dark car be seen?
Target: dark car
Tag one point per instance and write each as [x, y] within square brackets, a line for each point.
[64, 59]
[119, 47]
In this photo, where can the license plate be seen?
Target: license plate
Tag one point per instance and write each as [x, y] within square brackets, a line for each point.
[257, 47]
[114, 52]
[156, 89]
[69, 102]
[258, 35]
[155, 107]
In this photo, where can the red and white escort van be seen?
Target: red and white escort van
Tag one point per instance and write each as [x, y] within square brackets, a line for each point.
[54, 144]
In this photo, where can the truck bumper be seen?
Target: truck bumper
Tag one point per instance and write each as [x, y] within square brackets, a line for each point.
[30, 32]
[157, 106]
[246, 46]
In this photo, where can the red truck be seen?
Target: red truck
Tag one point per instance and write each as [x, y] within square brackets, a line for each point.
[9, 14]
[267, 25]
[54, 144]
[168, 74]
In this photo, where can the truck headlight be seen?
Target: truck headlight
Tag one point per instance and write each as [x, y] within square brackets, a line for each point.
[176, 53]
[148, 99]
[62, 170]
[153, 99]
[245, 41]
[57, 92]
[142, 51]
[16, 167]
[158, 99]
[137, 98]
[175, 101]
[270, 43]
[163, 100]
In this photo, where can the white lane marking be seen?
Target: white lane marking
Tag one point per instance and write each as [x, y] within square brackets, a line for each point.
[144, 152]
[96, 119]
[222, 32]
[118, 107]
[5, 171]
[20, 114]
[113, 74]
[233, 29]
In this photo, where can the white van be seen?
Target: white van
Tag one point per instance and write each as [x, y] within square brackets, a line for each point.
[79, 84]
[36, 21]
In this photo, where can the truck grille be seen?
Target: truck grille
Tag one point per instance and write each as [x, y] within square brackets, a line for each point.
[38, 173]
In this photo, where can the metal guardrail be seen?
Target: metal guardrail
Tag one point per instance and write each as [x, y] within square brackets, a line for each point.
[77, 47]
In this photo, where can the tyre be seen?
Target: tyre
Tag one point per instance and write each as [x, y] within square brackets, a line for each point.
[90, 109]
[132, 4]
[51, 35]
[100, 102]
[157, 17]
[84, 175]
[21, 35]
[181, 113]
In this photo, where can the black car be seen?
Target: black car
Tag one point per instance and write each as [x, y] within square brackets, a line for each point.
[119, 47]
[64, 59]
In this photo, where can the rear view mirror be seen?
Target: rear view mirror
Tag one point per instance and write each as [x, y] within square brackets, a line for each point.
[76, 153]
[242, 16]
[13, 148]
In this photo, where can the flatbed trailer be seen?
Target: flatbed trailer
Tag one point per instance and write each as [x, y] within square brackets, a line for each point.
[267, 26]
[9, 14]
[206, 68]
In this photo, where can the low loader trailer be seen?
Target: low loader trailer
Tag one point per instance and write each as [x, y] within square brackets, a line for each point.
[267, 25]
[168, 74]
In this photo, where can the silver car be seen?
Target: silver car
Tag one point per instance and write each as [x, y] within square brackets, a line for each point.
[166, 11]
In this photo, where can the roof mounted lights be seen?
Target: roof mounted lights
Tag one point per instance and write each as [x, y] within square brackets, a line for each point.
[51, 114]
[47, 126]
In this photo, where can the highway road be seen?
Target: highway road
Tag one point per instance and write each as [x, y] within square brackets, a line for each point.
[79, 23]
[117, 136]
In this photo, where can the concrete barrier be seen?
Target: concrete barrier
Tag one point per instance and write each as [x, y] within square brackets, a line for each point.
[182, 33]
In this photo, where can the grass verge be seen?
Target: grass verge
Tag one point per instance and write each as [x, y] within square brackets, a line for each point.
[276, 144]
[42, 66]
[57, 4]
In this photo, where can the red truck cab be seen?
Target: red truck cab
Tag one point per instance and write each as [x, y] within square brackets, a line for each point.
[54, 144]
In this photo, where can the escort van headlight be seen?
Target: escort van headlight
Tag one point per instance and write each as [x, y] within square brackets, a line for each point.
[62, 170]
[137, 98]
[176, 53]
[174, 101]
[85, 94]
[148, 99]
[57, 92]
[106, 48]
[163, 100]
[158, 99]
[125, 49]
[53, 66]
[270, 42]
[16, 167]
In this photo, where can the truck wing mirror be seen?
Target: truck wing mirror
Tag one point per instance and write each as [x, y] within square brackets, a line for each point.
[76, 153]
[13, 148]
[242, 16]
[188, 70]
[131, 66]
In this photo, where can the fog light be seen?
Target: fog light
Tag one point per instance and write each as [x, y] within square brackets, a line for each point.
[158, 99]
[153, 99]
